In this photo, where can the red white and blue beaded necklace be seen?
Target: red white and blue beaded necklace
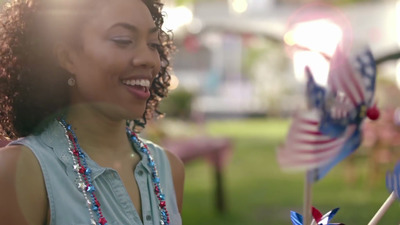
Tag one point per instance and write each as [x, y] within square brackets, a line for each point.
[85, 183]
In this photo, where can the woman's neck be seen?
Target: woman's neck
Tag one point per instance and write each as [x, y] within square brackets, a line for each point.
[96, 132]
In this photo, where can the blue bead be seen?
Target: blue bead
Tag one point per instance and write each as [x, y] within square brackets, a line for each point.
[95, 208]
[156, 180]
[151, 163]
[162, 197]
[88, 171]
[90, 188]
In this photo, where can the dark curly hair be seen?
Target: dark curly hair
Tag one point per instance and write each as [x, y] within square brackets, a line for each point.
[33, 87]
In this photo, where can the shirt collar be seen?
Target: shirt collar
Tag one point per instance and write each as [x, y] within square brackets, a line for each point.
[55, 138]
[144, 158]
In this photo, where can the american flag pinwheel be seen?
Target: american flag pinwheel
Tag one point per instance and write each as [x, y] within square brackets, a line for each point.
[318, 218]
[393, 180]
[330, 130]
[393, 186]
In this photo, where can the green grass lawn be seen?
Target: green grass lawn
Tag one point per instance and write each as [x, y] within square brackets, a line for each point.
[258, 192]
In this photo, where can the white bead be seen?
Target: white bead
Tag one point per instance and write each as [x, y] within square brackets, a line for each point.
[81, 186]
[77, 167]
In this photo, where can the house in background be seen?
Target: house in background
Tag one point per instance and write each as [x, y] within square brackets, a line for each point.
[235, 60]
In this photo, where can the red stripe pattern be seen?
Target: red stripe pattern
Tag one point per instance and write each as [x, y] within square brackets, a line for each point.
[306, 148]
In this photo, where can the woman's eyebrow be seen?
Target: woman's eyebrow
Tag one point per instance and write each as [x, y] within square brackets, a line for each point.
[133, 28]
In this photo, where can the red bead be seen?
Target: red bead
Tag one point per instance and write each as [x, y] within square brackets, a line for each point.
[156, 189]
[82, 170]
[162, 204]
[102, 221]
[373, 113]
[97, 203]
[75, 152]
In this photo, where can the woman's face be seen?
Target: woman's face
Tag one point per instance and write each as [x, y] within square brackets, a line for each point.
[117, 60]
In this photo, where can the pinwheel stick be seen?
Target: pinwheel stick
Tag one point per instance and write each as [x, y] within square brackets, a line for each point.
[385, 206]
[307, 199]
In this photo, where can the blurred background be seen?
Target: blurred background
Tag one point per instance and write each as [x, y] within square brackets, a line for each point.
[237, 79]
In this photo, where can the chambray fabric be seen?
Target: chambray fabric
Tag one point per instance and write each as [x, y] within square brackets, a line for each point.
[66, 201]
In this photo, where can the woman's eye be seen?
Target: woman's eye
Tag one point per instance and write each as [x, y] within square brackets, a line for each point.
[122, 41]
[155, 46]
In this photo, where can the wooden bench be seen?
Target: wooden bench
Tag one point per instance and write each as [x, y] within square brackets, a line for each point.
[215, 150]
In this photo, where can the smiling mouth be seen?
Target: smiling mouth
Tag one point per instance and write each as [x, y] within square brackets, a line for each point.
[142, 84]
[139, 88]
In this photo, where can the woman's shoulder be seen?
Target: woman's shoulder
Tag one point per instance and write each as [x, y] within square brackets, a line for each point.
[15, 160]
[19, 172]
[174, 161]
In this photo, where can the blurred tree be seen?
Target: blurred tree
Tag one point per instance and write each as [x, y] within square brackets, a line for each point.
[178, 104]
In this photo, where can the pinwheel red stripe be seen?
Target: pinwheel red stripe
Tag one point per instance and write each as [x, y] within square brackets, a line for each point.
[305, 147]
[344, 78]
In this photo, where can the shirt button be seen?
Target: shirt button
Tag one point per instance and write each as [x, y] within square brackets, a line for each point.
[148, 217]
[140, 172]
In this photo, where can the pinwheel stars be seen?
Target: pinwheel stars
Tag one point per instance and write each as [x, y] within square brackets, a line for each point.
[319, 219]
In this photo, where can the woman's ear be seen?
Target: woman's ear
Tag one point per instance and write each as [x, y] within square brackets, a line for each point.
[64, 55]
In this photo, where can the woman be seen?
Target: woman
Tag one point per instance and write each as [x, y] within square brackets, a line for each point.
[72, 73]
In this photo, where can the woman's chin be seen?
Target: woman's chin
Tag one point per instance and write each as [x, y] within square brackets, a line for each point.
[128, 114]
[112, 111]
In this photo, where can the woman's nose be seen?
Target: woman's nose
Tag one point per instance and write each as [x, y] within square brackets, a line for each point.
[146, 56]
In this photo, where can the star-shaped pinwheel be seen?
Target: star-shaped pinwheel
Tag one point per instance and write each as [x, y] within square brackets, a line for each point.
[393, 180]
[318, 218]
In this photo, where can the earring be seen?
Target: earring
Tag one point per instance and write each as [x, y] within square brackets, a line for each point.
[71, 81]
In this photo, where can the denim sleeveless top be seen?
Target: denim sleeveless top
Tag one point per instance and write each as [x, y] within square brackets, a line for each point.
[67, 203]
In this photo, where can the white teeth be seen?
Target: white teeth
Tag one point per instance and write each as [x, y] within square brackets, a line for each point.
[141, 82]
